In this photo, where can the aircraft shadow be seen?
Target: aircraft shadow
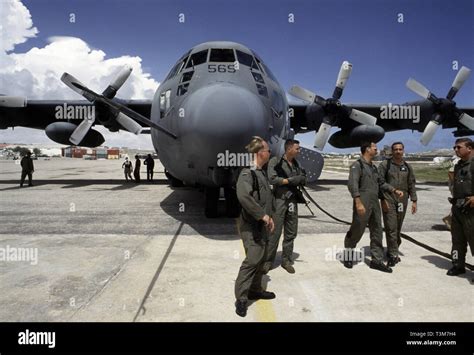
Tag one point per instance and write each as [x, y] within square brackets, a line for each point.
[186, 204]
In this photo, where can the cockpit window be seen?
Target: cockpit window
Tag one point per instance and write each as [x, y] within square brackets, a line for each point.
[187, 76]
[222, 55]
[246, 59]
[258, 78]
[178, 66]
[197, 58]
[269, 73]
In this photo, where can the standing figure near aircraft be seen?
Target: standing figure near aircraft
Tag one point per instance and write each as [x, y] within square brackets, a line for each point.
[127, 169]
[400, 175]
[150, 165]
[285, 174]
[27, 168]
[365, 184]
[136, 172]
[462, 225]
[254, 224]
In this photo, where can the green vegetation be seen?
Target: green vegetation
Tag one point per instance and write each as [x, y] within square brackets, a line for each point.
[424, 171]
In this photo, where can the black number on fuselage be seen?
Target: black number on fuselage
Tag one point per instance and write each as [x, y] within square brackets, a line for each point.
[221, 68]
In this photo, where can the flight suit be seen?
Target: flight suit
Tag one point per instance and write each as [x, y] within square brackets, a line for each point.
[402, 178]
[462, 227]
[256, 202]
[286, 207]
[366, 184]
[27, 168]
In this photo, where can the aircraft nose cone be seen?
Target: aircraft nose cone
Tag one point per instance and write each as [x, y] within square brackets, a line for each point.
[224, 115]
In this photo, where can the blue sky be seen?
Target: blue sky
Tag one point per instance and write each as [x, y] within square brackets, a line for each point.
[308, 52]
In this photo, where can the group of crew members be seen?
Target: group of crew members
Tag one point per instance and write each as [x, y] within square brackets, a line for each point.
[269, 192]
[127, 167]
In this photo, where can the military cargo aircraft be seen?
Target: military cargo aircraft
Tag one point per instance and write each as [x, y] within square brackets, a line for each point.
[215, 98]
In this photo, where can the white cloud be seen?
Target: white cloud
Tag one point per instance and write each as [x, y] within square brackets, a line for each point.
[36, 74]
[16, 25]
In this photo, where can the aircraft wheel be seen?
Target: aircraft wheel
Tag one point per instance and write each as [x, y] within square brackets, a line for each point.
[212, 200]
[231, 202]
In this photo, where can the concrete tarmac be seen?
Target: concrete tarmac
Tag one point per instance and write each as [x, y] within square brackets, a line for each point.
[84, 245]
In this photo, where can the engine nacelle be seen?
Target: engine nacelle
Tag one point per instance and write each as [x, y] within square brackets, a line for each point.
[61, 131]
[354, 137]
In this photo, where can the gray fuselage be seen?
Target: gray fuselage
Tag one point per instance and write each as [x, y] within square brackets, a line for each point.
[216, 106]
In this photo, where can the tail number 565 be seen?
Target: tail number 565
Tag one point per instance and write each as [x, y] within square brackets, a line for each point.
[221, 68]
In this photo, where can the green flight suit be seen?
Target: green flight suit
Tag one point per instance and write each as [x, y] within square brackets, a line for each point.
[256, 202]
[402, 178]
[366, 184]
[462, 227]
[286, 207]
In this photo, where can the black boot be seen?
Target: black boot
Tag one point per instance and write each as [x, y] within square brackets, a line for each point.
[456, 270]
[241, 307]
[378, 265]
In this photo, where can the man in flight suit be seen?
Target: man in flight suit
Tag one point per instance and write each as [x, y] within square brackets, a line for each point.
[254, 223]
[365, 184]
[150, 165]
[27, 168]
[285, 174]
[462, 225]
[400, 175]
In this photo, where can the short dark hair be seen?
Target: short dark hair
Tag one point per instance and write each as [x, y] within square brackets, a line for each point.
[397, 143]
[290, 142]
[468, 142]
[365, 145]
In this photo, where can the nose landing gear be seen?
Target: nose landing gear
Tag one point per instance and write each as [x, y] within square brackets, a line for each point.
[232, 206]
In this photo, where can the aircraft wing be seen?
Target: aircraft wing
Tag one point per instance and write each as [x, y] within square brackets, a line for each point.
[71, 122]
[306, 117]
[415, 116]
[369, 122]
[60, 118]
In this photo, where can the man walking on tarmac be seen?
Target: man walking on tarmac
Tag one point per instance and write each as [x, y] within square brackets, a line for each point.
[285, 174]
[462, 225]
[254, 224]
[27, 168]
[365, 184]
[400, 175]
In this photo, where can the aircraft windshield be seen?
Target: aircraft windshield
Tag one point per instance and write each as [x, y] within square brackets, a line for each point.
[197, 58]
[246, 59]
[222, 55]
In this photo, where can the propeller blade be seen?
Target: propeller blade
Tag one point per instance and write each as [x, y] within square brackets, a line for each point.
[307, 95]
[467, 121]
[129, 124]
[77, 86]
[418, 88]
[461, 77]
[302, 93]
[362, 117]
[80, 132]
[12, 101]
[123, 75]
[343, 76]
[429, 132]
[322, 135]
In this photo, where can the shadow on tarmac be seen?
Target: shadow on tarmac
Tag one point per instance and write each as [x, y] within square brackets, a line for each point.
[75, 183]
